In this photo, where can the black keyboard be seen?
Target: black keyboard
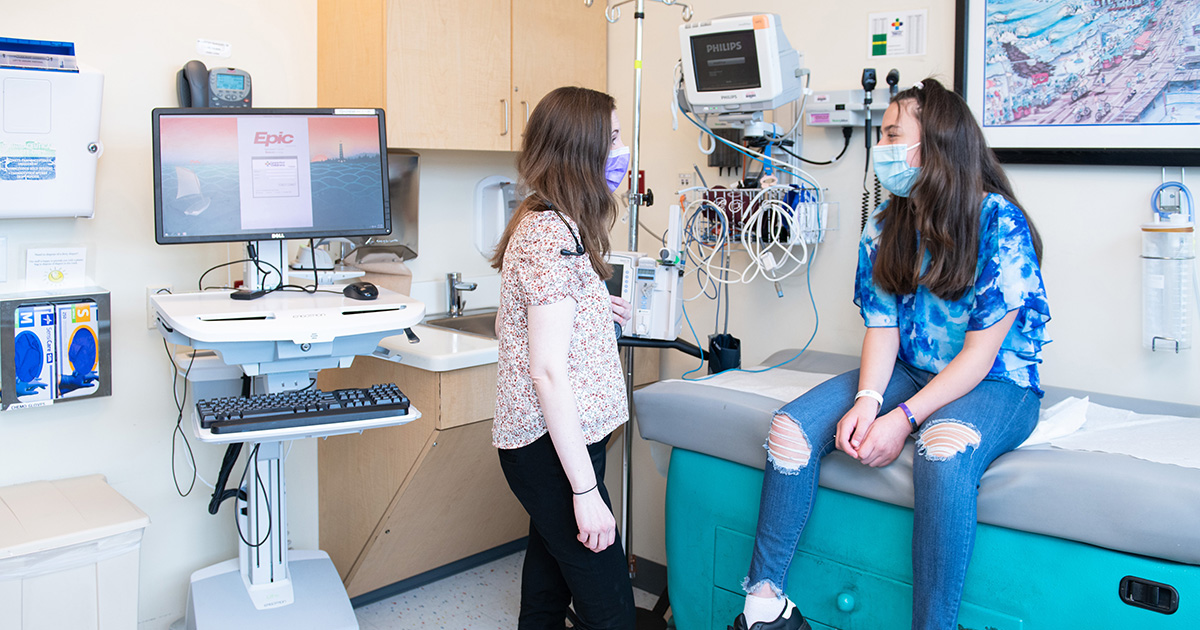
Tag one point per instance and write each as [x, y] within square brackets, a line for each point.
[300, 408]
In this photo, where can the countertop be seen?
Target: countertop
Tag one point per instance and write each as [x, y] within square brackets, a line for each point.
[440, 350]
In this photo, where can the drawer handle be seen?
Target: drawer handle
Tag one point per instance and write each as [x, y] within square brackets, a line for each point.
[845, 602]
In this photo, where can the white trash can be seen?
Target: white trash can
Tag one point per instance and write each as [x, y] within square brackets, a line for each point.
[69, 556]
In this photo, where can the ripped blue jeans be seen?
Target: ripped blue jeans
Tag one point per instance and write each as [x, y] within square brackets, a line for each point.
[990, 420]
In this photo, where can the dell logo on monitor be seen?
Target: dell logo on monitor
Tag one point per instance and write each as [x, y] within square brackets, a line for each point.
[277, 235]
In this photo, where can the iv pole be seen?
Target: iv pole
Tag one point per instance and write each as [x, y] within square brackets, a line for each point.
[612, 13]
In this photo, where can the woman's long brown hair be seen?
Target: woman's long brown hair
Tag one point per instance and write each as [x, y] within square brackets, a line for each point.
[958, 170]
[561, 165]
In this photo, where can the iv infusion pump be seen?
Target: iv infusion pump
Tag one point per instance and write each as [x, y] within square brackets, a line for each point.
[654, 287]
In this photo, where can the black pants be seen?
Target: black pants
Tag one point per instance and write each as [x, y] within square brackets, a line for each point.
[558, 568]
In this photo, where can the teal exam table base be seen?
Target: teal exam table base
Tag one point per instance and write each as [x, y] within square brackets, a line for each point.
[852, 569]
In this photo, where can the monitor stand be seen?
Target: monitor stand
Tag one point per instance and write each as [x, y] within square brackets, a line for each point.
[273, 259]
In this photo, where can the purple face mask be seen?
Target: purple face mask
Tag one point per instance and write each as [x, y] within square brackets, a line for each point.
[616, 167]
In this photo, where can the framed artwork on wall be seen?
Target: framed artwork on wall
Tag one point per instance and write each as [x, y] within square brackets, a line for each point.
[1083, 81]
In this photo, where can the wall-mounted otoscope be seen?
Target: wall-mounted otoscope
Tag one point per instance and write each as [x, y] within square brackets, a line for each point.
[868, 85]
[893, 81]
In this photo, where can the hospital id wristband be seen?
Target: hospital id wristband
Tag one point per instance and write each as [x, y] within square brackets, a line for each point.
[870, 393]
[912, 420]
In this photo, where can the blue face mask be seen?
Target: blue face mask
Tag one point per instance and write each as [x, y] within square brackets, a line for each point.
[616, 167]
[892, 168]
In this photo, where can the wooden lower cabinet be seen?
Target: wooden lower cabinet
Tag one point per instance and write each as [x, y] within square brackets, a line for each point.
[400, 501]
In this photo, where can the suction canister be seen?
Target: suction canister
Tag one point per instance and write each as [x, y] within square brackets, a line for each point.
[1168, 259]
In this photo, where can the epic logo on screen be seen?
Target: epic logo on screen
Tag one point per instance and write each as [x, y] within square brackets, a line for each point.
[268, 139]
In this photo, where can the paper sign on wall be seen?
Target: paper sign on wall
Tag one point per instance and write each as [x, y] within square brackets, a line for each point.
[55, 267]
[897, 34]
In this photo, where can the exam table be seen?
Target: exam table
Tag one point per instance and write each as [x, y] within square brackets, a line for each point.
[1066, 538]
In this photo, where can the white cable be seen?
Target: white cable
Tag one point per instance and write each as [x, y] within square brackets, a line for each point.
[769, 208]
[677, 76]
[192, 465]
[700, 145]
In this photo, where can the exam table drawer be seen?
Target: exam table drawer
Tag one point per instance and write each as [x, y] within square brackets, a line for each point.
[835, 594]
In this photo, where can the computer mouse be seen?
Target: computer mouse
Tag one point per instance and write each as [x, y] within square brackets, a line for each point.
[361, 291]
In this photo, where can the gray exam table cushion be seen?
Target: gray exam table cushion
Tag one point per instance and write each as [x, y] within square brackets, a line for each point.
[1105, 499]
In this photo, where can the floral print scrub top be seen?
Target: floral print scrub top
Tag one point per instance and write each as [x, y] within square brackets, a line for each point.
[535, 273]
[1007, 278]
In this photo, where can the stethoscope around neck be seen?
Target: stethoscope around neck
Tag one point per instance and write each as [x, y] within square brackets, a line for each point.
[578, 245]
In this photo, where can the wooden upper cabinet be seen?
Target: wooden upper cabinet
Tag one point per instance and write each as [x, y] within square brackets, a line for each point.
[456, 74]
[351, 53]
[448, 73]
[555, 43]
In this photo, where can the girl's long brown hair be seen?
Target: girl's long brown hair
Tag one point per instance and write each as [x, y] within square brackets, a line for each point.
[958, 170]
[561, 165]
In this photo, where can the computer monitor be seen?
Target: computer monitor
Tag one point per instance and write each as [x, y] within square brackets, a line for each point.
[738, 63]
[227, 175]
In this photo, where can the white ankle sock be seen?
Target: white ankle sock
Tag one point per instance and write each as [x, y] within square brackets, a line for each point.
[762, 609]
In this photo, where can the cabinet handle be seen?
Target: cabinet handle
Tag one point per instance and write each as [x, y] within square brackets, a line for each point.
[505, 101]
[526, 104]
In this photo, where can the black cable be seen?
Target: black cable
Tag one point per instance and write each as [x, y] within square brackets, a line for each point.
[178, 431]
[847, 132]
[219, 492]
[878, 194]
[312, 253]
[866, 196]
[252, 459]
[200, 281]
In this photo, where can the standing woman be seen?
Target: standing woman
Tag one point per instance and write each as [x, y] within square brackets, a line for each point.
[950, 289]
[560, 390]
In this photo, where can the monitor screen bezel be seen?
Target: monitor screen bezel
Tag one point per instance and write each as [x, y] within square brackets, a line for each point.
[752, 57]
[292, 233]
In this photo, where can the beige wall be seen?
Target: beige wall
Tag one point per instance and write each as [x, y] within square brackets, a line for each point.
[1088, 217]
[139, 45]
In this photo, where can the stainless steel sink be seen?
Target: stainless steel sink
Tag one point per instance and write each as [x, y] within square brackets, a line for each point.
[480, 323]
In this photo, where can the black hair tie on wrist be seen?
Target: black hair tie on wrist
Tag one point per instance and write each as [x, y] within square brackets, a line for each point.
[578, 494]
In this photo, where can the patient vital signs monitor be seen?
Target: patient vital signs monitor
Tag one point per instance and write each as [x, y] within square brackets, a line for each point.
[739, 63]
[269, 174]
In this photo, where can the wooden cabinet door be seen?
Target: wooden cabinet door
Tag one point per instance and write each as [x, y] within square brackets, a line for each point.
[449, 74]
[351, 55]
[554, 43]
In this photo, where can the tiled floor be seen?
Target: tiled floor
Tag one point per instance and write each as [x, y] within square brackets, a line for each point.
[484, 598]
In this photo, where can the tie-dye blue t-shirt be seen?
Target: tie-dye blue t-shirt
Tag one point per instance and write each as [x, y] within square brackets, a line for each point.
[1007, 278]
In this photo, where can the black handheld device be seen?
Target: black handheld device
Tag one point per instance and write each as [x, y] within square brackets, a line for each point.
[191, 84]
[868, 86]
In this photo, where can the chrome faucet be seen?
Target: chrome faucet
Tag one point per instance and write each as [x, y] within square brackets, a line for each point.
[455, 302]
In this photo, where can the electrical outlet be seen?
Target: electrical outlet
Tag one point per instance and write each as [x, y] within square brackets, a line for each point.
[150, 291]
[685, 180]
